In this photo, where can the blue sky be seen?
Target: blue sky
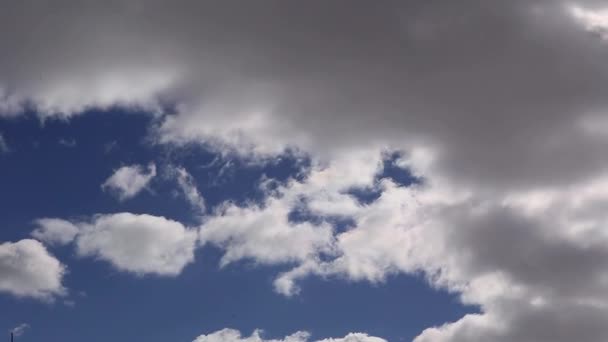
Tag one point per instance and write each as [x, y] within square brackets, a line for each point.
[325, 171]
[49, 179]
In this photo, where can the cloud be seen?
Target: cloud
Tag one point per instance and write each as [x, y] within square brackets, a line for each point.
[595, 21]
[67, 142]
[499, 106]
[140, 244]
[489, 103]
[3, 145]
[20, 329]
[188, 187]
[128, 181]
[263, 234]
[55, 231]
[355, 337]
[231, 335]
[526, 258]
[28, 270]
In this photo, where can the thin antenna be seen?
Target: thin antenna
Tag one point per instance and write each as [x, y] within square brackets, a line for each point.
[12, 337]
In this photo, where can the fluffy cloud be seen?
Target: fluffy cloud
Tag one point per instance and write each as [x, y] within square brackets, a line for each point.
[355, 337]
[140, 244]
[264, 234]
[128, 181]
[231, 335]
[55, 231]
[28, 270]
[499, 105]
[526, 258]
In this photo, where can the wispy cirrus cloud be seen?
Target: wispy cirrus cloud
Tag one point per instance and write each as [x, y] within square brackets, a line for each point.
[20, 329]
[3, 145]
[188, 187]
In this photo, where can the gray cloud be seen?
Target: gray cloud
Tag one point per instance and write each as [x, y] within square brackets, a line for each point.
[496, 89]
[499, 105]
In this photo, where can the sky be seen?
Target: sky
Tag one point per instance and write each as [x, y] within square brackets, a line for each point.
[304, 171]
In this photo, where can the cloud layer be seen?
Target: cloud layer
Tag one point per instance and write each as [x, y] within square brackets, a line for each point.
[500, 106]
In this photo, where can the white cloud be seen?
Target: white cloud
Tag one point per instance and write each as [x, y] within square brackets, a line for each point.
[595, 21]
[141, 244]
[263, 234]
[492, 110]
[505, 253]
[28, 270]
[188, 187]
[3, 145]
[55, 231]
[20, 329]
[67, 142]
[231, 335]
[355, 337]
[128, 181]
[64, 95]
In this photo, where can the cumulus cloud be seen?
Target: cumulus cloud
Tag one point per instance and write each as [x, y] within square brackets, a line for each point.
[526, 258]
[128, 181]
[231, 335]
[141, 244]
[27, 269]
[55, 231]
[355, 337]
[264, 234]
[499, 105]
